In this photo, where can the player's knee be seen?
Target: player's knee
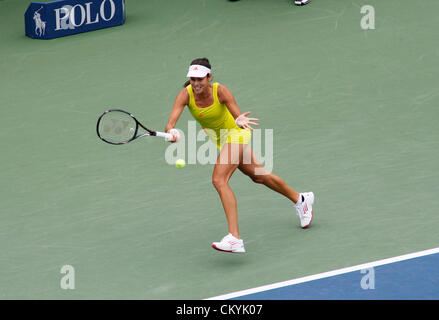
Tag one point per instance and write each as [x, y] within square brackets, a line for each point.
[256, 178]
[218, 182]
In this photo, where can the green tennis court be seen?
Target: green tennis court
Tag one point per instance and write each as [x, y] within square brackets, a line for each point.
[354, 117]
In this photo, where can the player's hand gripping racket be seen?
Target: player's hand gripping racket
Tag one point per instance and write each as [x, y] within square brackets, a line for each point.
[117, 126]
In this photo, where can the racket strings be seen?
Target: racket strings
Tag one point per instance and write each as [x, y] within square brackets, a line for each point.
[117, 127]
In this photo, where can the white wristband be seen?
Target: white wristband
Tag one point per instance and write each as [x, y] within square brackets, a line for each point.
[236, 122]
[175, 132]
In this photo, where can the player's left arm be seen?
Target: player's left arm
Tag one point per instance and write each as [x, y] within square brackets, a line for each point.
[241, 119]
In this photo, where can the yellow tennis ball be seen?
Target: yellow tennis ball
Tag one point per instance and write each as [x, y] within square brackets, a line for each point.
[180, 163]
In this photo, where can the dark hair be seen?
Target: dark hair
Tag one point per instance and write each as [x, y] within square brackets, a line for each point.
[202, 62]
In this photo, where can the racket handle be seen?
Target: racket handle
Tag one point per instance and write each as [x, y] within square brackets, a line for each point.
[163, 135]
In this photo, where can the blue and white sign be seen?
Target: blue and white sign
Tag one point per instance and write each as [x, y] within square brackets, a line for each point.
[48, 20]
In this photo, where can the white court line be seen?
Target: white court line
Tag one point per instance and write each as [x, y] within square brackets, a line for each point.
[325, 274]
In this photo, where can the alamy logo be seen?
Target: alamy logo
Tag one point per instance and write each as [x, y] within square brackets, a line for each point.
[40, 25]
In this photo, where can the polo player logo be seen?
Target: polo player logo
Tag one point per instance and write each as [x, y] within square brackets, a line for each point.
[40, 25]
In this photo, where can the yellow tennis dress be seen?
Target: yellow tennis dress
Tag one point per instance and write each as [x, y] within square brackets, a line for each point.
[217, 121]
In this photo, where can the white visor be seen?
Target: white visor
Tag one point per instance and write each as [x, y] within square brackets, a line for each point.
[197, 71]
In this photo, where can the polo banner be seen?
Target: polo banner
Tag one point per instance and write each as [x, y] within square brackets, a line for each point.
[48, 20]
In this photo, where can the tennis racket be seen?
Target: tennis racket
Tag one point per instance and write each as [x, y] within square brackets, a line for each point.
[117, 126]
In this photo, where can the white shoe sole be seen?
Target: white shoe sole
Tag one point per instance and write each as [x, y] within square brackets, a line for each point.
[240, 250]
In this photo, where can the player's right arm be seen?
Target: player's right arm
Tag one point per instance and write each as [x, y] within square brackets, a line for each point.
[180, 102]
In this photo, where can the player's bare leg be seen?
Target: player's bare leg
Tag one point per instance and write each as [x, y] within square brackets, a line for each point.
[256, 171]
[227, 162]
[302, 201]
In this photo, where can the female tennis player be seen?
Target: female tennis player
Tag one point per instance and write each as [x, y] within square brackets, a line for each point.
[215, 108]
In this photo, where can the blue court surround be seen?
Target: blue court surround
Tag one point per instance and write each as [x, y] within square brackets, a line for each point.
[412, 279]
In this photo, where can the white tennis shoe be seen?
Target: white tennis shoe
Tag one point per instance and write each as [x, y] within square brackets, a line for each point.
[304, 208]
[301, 2]
[229, 244]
